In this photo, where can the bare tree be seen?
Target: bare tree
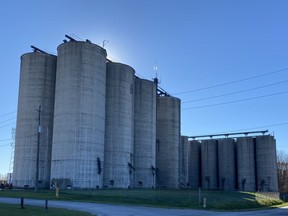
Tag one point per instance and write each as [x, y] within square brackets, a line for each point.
[282, 167]
[2, 177]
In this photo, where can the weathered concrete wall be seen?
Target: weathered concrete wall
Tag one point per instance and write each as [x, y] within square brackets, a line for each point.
[36, 88]
[168, 141]
[79, 118]
[209, 164]
[226, 164]
[183, 162]
[246, 164]
[119, 129]
[145, 133]
[266, 163]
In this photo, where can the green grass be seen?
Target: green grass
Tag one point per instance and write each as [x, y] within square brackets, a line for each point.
[217, 200]
[15, 210]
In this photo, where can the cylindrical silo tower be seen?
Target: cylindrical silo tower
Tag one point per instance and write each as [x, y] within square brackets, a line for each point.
[245, 148]
[144, 133]
[168, 141]
[79, 117]
[226, 164]
[209, 162]
[194, 164]
[35, 107]
[119, 131]
[266, 163]
[183, 162]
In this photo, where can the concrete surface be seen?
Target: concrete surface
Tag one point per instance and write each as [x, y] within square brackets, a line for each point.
[168, 130]
[79, 124]
[127, 210]
[119, 126]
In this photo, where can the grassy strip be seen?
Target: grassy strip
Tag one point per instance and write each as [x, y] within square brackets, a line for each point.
[217, 200]
[15, 210]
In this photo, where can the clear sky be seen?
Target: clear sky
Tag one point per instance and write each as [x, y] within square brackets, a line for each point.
[196, 44]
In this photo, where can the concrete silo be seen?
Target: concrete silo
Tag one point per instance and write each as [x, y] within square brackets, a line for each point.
[119, 129]
[209, 162]
[145, 133]
[183, 162]
[194, 163]
[245, 148]
[266, 163]
[36, 88]
[168, 141]
[79, 117]
[226, 164]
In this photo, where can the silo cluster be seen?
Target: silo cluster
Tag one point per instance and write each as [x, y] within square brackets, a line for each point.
[97, 124]
[84, 121]
[243, 163]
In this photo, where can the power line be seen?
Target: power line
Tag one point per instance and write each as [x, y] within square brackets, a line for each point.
[7, 114]
[8, 119]
[236, 92]
[264, 126]
[5, 140]
[8, 125]
[18, 138]
[5, 145]
[232, 82]
[235, 101]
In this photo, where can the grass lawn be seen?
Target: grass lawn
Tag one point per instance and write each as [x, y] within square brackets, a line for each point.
[15, 210]
[184, 198]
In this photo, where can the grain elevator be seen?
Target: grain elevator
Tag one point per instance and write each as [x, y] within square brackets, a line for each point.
[84, 121]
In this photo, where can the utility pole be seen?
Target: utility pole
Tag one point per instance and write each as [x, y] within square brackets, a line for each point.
[10, 172]
[38, 148]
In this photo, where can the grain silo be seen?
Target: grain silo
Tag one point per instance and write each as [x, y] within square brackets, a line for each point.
[79, 117]
[266, 163]
[35, 106]
[194, 163]
[209, 162]
[246, 164]
[168, 141]
[145, 133]
[226, 164]
[119, 130]
[183, 162]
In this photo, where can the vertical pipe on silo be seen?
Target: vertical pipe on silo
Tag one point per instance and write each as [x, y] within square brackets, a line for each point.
[36, 88]
[194, 163]
[144, 133]
[119, 129]
[246, 164]
[79, 118]
[168, 141]
[266, 163]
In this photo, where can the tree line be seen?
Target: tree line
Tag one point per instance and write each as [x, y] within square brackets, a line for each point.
[282, 168]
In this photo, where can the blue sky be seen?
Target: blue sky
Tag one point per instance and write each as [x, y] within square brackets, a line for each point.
[195, 43]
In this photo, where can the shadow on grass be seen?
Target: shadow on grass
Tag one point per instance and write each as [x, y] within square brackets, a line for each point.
[182, 198]
[15, 210]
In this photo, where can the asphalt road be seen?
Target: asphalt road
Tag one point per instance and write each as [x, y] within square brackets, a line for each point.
[127, 210]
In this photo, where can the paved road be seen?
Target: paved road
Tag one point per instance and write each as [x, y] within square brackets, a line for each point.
[127, 210]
